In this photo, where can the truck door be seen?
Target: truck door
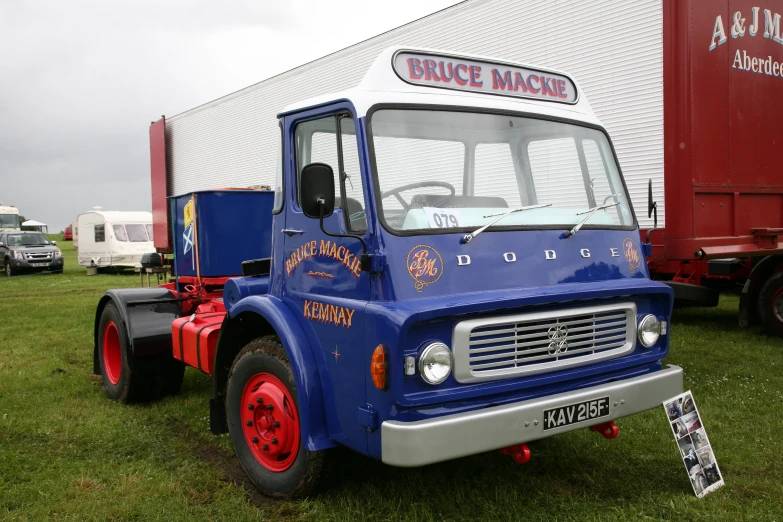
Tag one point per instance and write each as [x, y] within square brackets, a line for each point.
[324, 284]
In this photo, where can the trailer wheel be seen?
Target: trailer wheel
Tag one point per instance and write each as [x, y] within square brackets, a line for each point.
[113, 355]
[262, 408]
[771, 305]
[128, 378]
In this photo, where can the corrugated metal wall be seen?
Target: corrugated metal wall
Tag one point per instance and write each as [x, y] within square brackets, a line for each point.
[613, 48]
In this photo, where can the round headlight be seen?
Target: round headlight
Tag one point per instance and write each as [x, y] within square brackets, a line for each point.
[649, 330]
[435, 363]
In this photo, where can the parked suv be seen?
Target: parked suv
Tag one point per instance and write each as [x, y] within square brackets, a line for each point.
[29, 251]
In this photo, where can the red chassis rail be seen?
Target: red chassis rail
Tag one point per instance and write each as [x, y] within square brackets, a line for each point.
[194, 336]
[669, 261]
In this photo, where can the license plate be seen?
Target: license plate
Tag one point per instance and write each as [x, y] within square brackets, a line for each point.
[39, 264]
[579, 412]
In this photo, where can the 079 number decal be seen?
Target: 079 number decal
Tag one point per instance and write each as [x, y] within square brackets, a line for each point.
[443, 217]
[445, 220]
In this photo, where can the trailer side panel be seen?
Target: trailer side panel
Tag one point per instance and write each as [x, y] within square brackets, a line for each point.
[723, 76]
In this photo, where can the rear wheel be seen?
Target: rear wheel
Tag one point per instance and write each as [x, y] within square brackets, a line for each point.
[262, 408]
[128, 378]
[771, 304]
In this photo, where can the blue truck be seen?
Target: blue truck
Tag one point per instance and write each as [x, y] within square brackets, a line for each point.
[448, 264]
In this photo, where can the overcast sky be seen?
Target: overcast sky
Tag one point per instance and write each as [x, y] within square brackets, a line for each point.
[80, 82]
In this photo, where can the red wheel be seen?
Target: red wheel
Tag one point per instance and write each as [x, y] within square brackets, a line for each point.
[112, 353]
[271, 422]
[262, 413]
[128, 378]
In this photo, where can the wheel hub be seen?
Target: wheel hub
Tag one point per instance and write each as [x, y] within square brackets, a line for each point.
[777, 305]
[270, 422]
[112, 354]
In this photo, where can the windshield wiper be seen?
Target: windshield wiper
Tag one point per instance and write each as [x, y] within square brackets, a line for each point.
[467, 237]
[589, 213]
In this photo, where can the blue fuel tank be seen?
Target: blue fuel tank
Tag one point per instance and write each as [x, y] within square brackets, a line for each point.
[225, 227]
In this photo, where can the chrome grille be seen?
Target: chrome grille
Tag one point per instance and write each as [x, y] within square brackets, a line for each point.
[486, 349]
[38, 256]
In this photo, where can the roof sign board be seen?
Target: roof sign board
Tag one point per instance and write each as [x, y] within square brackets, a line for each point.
[472, 75]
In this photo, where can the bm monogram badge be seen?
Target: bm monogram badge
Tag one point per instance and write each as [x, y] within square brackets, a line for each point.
[632, 254]
[424, 265]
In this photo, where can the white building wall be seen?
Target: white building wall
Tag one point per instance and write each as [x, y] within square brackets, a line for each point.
[613, 48]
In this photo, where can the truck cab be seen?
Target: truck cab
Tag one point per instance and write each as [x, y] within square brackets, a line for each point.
[455, 268]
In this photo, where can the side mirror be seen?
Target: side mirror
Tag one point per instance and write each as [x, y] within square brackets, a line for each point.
[650, 203]
[652, 206]
[2, 244]
[317, 190]
[54, 242]
[652, 210]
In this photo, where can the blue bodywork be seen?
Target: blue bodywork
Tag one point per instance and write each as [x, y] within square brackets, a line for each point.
[331, 359]
[221, 248]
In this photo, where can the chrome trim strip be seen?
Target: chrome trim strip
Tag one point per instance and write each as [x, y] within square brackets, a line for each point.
[418, 443]
[610, 346]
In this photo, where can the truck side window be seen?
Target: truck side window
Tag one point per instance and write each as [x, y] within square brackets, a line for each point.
[353, 183]
[100, 234]
[323, 149]
[316, 142]
[494, 167]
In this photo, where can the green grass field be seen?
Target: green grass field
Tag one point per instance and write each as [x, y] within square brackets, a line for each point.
[67, 452]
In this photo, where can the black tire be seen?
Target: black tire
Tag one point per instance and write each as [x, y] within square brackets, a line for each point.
[140, 379]
[267, 355]
[9, 272]
[770, 304]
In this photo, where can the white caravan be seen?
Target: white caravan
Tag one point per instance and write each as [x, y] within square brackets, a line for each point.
[116, 239]
[9, 218]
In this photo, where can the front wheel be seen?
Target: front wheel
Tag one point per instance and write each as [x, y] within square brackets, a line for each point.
[262, 408]
[8, 270]
[771, 304]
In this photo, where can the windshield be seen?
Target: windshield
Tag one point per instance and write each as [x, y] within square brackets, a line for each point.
[29, 239]
[445, 169]
[9, 221]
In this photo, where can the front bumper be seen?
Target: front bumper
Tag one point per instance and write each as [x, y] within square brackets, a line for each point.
[417, 443]
[24, 264]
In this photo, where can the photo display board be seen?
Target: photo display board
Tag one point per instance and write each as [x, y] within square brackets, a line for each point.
[695, 448]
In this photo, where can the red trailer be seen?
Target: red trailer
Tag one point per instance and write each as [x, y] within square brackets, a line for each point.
[723, 177]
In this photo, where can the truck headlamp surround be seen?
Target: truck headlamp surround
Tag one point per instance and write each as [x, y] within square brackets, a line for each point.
[649, 330]
[17, 254]
[58, 253]
[435, 363]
